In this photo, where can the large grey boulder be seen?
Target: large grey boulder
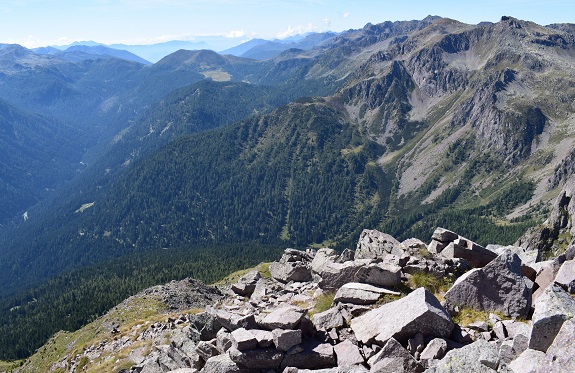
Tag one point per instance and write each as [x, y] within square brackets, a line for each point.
[334, 275]
[322, 258]
[290, 271]
[435, 349]
[394, 358]
[283, 318]
[259, 358]
[246, 284]
[476, 255]
[222, 364]
[499, 286]
[357, 293]
[566, 276]
[477, 357]
[545, 275]
[286, 339]
[552, 309]
[528, 362]
[559, 357]
[418, 312]
[328, 319]
[373, 244]
[347, 354]
[243, 339]
[314, 355]
[379, 274]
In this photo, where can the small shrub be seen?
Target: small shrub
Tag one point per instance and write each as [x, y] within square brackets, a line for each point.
[264, 270]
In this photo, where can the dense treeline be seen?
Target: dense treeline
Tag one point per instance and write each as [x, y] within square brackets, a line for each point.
[72, 299]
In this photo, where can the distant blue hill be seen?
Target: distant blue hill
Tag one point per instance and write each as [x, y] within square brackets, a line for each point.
[79, 52]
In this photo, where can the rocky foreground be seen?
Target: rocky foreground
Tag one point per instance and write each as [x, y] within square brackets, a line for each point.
[389, 306]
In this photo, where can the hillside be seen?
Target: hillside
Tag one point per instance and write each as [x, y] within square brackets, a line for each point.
[399, 126]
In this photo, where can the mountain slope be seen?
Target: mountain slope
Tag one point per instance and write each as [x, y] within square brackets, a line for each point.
[38, 153]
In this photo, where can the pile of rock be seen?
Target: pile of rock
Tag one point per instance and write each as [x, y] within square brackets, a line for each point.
[270, 324]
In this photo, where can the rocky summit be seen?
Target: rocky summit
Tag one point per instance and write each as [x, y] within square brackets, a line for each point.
[388, 306]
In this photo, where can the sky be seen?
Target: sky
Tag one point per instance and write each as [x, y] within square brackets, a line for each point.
[35, 23]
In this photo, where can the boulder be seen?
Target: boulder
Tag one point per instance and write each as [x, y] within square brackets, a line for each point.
[322, 258]
[283, 318]
[479, 356]
[207, 349]
[419, 311]
[246, 284]
[444, 235]
[394, 358]
[476, 255]
[373, 244]
[566, 276]
[286, 339]
[314, 355]
[552, 309]
[546, 272]
[290, 271]
[435, 349]
[265, 338]
[379, 274]
[559, 356]
[222, 364]
[357, 293]
[328, 319]
[499, 286]
[203, 326]
[259, 358]
[243, 339]
[223, 340]
[347, 354]
[527, 362]
[334, 275]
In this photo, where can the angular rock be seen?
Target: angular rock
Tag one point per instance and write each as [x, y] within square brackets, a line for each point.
[346, 255]
[552, 309]
[394, 358]
[259, 358]
[223, 340]
[315, 355]
[527, 362]
[323, 257]
[379, 274]
[373, 244]
[546, 272]
[290, 271]
[203, 326]
[436, 247]
[559, 357]
[566, 276]
[435, 349]
[444, 235]
[347, 354]
[335, 275]
[265, 338]
[499, 286]
[357, 293]
[207, 350]
[246, 284]
[243, 339]
[479, 356]
[283, 318]
[222, 364]
[419, 311]
[286, 339]
[328, 319]
[476, 255]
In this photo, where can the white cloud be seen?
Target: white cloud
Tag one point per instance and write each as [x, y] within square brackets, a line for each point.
[298, 30]
[236, 34]
[326, 22]
[345, 14]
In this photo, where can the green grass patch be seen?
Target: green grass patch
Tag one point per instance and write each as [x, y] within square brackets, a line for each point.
[435, 284]
[322, 303]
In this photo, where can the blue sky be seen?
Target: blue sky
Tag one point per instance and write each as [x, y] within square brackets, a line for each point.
[34, 23]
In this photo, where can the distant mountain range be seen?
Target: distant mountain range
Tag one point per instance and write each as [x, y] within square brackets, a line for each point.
[398, 126]
[259, 49]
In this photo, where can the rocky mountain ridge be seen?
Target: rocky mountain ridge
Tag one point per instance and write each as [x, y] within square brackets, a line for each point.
[376, 308]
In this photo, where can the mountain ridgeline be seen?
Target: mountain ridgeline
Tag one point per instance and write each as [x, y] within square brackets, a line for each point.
[399, 126]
